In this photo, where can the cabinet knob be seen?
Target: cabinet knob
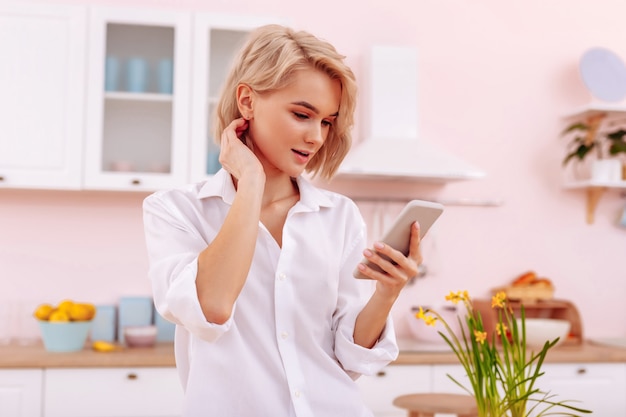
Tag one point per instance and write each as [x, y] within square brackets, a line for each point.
[381, 373]
[581, 371]
[132, 376]
[1, 178]
[135, 182]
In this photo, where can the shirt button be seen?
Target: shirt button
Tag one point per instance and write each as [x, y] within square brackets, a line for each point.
[282, 276]
[296, 393]
[284, 335]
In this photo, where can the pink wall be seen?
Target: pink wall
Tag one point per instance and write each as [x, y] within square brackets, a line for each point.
[494, 79]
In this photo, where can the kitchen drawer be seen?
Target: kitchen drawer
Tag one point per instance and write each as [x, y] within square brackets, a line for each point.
[20, 392]
[379, 390]
[112, 392]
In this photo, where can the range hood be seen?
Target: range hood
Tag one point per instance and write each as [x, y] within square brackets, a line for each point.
[392, 149]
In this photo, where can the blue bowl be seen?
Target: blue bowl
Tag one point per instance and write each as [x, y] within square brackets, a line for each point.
[64, 336]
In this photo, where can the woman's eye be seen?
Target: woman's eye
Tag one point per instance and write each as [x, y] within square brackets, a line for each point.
[300, 115]
[327, 123]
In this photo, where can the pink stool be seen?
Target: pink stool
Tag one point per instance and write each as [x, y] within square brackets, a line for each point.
[426, 405]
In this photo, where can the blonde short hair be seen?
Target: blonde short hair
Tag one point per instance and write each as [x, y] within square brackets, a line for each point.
[267, 62]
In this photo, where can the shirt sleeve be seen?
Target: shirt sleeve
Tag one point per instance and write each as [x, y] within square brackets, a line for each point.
[353, 295]
[173, 245]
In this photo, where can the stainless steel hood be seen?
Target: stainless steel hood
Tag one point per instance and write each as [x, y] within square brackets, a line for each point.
[392, 148]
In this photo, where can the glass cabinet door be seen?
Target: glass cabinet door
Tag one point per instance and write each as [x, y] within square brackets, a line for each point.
[217, 39]
[137, 127]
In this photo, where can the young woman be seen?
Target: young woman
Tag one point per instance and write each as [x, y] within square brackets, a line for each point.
[255, 264]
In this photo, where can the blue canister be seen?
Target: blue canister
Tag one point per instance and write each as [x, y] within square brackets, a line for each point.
[165, 329]
[104, 323]
[137, 75]
[112, 73]
[213, 158]
[165, 76]
[133, 311]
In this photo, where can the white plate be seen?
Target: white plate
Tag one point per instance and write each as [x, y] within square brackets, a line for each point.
[604, 74]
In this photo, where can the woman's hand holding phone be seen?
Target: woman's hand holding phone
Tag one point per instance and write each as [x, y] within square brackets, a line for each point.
[400, 240]
[390, 267]
[236, 151]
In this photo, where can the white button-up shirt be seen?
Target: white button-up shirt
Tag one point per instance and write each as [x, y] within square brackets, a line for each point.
[287, 349]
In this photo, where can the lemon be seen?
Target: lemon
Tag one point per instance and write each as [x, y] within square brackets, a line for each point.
[102, 346]
[81, 311]
[58, 316]
[43, 311]
[65, 306]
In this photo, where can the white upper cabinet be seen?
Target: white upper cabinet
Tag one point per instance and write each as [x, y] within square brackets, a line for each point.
[216, 40]
[111, 98]
[138, 99]
[41, 106]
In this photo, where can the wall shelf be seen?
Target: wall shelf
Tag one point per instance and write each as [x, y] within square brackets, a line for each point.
[595, 190]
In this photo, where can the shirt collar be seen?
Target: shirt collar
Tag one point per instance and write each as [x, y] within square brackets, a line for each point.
[221, 185]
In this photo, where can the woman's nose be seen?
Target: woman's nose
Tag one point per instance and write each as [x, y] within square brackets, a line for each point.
[316, 134]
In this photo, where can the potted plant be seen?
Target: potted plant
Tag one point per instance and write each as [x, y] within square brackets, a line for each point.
[504, 373]
[591, 137]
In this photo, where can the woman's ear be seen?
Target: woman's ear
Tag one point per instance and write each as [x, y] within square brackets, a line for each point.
[245, 97]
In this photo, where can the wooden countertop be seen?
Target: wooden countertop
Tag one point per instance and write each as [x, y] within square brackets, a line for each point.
[162, 355]
[35, 356]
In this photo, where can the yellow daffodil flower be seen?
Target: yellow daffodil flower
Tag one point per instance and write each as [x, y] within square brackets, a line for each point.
[501, 329]
[455, 297]
[498, 300]
[480, 336]
[430, 320]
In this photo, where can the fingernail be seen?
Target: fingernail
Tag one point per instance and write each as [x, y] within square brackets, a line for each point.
[379, 245]
[367, 253]
[361, 267]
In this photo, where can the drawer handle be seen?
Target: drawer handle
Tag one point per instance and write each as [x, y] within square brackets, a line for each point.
[1, 178]
[132, 377]
[581, 371]
[135, 182]
[381, 373]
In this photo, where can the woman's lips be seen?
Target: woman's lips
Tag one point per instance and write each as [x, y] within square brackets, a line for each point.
[301, 156]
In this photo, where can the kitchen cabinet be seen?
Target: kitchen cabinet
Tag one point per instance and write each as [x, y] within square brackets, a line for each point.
[42, 75]
[20, 392]
[216, 39]
[112, 392]
[129, 109]
[137, 98]
[441, 382]
[149, 71]
[380, 390]
[599, 387]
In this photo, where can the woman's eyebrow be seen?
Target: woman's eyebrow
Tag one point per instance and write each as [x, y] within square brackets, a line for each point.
[312, 107]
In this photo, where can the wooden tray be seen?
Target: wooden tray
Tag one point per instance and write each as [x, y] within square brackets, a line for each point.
[529, 293]
[554, 309]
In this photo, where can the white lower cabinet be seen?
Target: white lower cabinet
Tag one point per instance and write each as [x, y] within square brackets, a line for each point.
[112, 392]
[380, 390]
[599, 387]
[20, 392]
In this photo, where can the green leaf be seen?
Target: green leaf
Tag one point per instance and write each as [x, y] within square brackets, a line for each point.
[617, 147]
[617, 135]
[579, 153]
[575, 126]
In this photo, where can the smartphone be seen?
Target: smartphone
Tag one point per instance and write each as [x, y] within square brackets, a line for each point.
[398, 236]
